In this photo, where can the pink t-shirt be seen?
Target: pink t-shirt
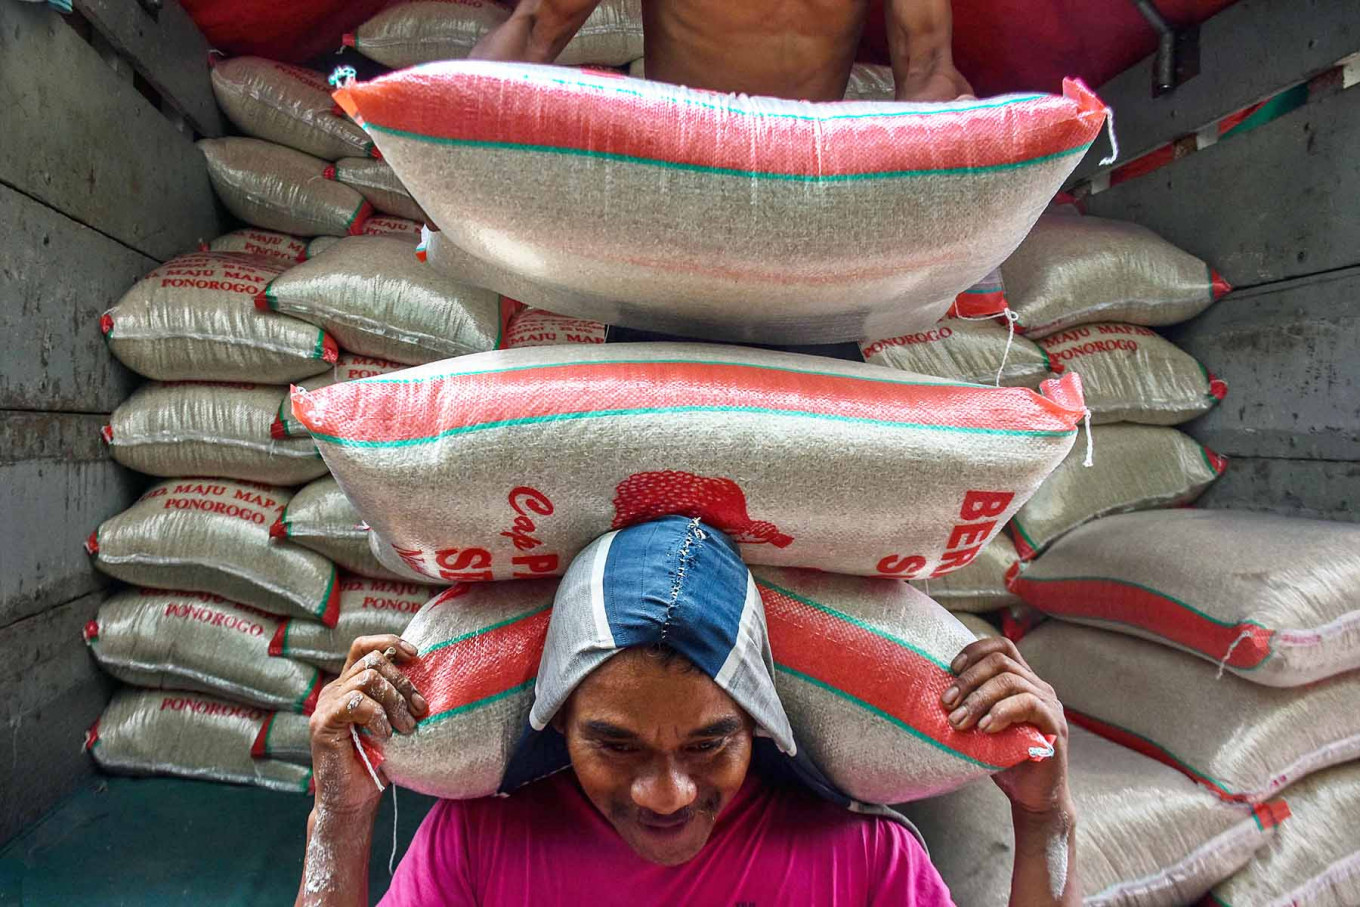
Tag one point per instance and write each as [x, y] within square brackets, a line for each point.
[548, 845]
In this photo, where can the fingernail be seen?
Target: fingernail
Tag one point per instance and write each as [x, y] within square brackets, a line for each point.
[986, 720]
[959, 661]
[408, 648]
[956, 717]
[950, 695]
[390, 651]
[419, 702]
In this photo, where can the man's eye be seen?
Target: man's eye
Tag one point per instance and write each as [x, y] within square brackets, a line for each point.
[707, 746]
[618, 747]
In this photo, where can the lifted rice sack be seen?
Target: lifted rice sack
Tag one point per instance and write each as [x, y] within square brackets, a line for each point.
[1140, 467]
[288, 105]
[535, 327]
[202, 429]
[276, 188]
[199, 641]
[980, 586]
[1077, 270]
[1133, 374]
[377, 183]
[368, 607]
[1243, 741]
[1147, 836]
[348, 367]
[1314, 860]
[963, 350]
[146, 732]
[376, 299]
[278, 247]
[798, 458]
[321, 518]
[212, 535]
[194, 318]
[1273, 599]
[428, 30]
[727, 216]
[860, 665]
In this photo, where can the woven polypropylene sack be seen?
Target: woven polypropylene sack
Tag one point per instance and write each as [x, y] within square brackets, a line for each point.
[480, 645]
[193, 428]
[860, 666]
[199, 641]
[429, 30]
[377, 299]
[321, 518]
[288, 105]
[194, 318]
[1274, 599]
[964, 351]
[377, 183]
[278, 247]
[976, 625]
[1140, 467]
[377, 225]
[1078, 270]
[980, 586]
[212, 535]
[368, 607]
[800, 459]
[1133, 374]
[155, 732]
[871, 82]
[278, 188]
[348, 367]
[726, 216]
[535, 327]
[1147, 836]
[1242, 740]
[1314, 859]
[984, 298]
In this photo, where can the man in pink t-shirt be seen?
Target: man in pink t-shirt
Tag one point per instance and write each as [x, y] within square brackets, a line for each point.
[666, 769]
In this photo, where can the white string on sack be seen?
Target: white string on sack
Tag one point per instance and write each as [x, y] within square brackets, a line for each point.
[1011, 318]
[392, 860]
[1241, 638]
[1114, 142]
[372, 773]
[1090, 444]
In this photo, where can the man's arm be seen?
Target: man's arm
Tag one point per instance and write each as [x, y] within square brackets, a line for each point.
[536, 31]
[920, 33]
[995, 689]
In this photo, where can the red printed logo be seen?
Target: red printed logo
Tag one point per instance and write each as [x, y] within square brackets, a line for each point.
[646, 496]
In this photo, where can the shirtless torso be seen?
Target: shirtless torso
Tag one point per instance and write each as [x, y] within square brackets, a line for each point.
[783, 48]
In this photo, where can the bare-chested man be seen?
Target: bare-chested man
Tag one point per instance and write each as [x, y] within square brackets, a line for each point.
[782, 48]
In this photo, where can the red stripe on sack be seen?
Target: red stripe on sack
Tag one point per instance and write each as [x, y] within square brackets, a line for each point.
[105, 324]
[356, 226]
[91, 736]
[258, 749]
[91, 631]
[1022, 548]
[262, 300]
[347, 39]
[448, 101]
[1220, 285]
[314, 695]
[392, 411]
[107, 434]
[978, 305]
[1217, 462]
[1241, 645]
[330, 350]
[276, 642]
[508, 308]
[481, 666]
[1272, 812]
[279, 529]
[1218, 388]
[1016, 623]
[277, 430]
[92, 543]
[856, 661]
[329, 172]
[1147, 748]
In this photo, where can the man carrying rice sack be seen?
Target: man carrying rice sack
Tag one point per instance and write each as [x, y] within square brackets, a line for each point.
[656, 687]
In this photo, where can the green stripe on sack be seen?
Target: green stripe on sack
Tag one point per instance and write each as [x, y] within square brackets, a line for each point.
[482, 630]
[326, 597]
[886, 717]
[472, 706]
[1025, 535]
[732, 171]
[320, 349]
[297, 703]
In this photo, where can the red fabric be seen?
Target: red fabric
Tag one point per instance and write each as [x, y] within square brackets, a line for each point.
[293, 31]
[1030, 45]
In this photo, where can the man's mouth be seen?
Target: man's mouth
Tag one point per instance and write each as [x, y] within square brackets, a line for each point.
[668, 825]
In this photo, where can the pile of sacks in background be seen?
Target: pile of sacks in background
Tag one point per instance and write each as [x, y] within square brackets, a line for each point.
[521, 435]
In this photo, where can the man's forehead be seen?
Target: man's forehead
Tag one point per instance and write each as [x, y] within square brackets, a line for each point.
[635, 691]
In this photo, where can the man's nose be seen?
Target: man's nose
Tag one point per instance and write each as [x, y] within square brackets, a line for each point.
[664, 788]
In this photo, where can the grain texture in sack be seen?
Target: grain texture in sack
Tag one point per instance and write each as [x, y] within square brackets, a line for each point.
[1147, 836]
[1274, 599]
[871, 82]
[194, 318]
[723, 216]
[860, 666]
[174, 732]
[427, 30]
[212, 535]
[980, 586]
[505, 465]
[277, 188]
[972, 351]
[1133, 374]
[368, 607]
[1314, 859]
[194, 428]
[321, 518]
[376, 182]
[377, 225]
[348, 367]
[278, 247]
[1242, 740]
[1079, 270]
[199, 641]
[376, 299]
[287, 105]
[1140, 467]
[535, 327]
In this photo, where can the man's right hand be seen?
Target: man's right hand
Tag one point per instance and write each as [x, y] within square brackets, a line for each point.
[370, 693]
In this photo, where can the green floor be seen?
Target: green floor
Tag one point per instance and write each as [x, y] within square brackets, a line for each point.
[155, 841]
